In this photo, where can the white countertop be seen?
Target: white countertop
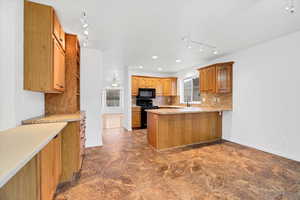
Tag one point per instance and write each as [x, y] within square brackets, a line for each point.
[19, 145]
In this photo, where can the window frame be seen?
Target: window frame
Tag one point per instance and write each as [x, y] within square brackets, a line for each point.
[182, 99]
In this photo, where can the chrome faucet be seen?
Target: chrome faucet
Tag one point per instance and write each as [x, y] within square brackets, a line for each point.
[188, 103]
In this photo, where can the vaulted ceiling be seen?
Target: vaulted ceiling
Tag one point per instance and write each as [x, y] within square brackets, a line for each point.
[139, 29]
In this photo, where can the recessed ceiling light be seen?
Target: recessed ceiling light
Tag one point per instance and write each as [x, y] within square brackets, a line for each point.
[178, 61]
[215, 52]
[154, 57]
[159, 69]
[141, 67]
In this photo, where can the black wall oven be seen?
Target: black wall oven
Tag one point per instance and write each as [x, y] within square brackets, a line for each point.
[148, 93]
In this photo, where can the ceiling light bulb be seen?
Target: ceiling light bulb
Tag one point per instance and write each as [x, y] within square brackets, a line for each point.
[86, 32]
[159, 69]
[178, 61]
[201, 50]
[154, 57]
[141, 67]
[189, 47]
[85, 25]
[215, 52]
[85, 44]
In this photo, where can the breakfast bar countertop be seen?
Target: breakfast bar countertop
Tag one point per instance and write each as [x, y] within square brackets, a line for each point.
[188, 110]
[19, 145]
[55, 118]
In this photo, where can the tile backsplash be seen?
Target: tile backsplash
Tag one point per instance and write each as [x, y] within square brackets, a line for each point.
[209, 100]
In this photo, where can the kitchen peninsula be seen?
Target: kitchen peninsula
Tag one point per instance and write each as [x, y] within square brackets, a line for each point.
[169, 128]
[175, 125]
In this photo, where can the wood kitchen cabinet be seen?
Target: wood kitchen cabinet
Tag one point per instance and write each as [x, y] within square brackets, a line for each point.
[216, 79]
[224, 78]
[159, 87]
[44, 45]
[58, 31]
[163, 86]
[50, 168]
[136, 117]
[167, 85]
[68, 101]
[134, 86]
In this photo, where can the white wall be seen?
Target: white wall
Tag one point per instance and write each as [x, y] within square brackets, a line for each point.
[90, 87]
[16, 104]
[266, 97]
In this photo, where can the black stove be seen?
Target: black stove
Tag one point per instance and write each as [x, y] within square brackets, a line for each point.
[146, 104]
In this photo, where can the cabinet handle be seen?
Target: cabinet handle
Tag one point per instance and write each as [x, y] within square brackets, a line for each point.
[61, 39]
[60, 86]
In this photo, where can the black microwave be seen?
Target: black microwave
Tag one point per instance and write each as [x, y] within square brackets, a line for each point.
[146, 93]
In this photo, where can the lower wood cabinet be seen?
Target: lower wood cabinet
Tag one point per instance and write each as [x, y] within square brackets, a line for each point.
[50, 168]
[136, 117]
[25, 185]
[58, 162]
[72, 151]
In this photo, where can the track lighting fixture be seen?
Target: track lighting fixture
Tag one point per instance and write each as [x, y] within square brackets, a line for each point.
[290, 7]
[203, 46]
[85, 30]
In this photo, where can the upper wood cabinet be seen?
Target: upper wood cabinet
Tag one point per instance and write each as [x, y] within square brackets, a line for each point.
[134, 86]
[58, 31]
[44, 45]
[159, 87]
[224, 78]
[216, 79]
[163, 86]
[167, 83]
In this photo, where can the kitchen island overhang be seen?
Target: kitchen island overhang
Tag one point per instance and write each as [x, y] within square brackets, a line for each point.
[169, 128]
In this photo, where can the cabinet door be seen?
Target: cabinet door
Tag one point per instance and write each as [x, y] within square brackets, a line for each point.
[134, 86]
[58, 67]
[57, 160]
[142, 83]
[174, 87]
[136, 119]
[167, 87]
[159, 87]
[211, 79]
[151, 83]
[56, 26]
[47, 175]
[224, 79]
[203, 82]
[58, 31]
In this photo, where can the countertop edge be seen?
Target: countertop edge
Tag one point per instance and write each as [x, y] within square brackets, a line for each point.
[41, 119]
[178, 111]
[10, 174]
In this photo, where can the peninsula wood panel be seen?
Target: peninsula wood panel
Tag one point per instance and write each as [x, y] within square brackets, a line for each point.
[167, 131]
[25, 185]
